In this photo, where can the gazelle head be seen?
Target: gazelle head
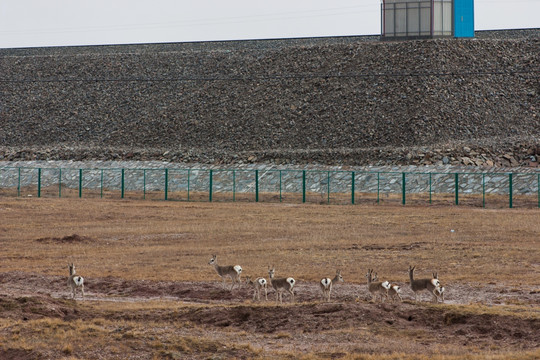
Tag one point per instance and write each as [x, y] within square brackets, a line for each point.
[213, 260]
[71, 269]
[271, 271]
[338, 276]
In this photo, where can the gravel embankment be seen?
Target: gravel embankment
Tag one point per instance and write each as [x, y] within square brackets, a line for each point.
[341, 102]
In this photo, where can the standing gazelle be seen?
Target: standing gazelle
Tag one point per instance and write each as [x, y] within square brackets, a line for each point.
[424, 284]
[75, 281]
[232, 271]
[377, 288]
[280, 285]
[327, 283]
[394, 292]
[258, 284]
[439, 293]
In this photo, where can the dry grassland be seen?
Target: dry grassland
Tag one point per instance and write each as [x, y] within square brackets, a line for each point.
[152, 294]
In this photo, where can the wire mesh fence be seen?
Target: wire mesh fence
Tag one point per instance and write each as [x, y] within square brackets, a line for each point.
[271, 185]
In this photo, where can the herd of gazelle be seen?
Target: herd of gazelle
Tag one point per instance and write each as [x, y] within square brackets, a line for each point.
[377, 289]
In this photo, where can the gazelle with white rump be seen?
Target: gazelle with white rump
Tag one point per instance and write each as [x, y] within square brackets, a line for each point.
[439, 293]
[232, 271]
[377, 288]
[327, 283]
[394, 292]
[280, 285]
[75, 282]
[258, 284]
[418, 285]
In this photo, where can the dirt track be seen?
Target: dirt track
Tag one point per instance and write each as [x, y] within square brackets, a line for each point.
[306, 325]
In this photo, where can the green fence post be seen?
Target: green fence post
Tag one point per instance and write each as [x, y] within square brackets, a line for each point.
[19, 184]
[256, 185]
[328, 187]
[101, 183]
[60, 183]
[144, 184]
[188, 177]
[234, 185]
[403, 188]
[122, 183]
[280, 198]
[456, 180]
[39, 182]
[430, 189]
[484, 190]
[80, 182]
[353, 176]
[378, 186]
[166, 188]
[303, 186]
[510, 190]
[210, 186]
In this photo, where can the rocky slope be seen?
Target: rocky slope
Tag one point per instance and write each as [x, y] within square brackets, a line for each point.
[472, 102]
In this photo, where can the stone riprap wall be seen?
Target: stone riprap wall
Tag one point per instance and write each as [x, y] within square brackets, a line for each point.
[150, 176]
[327, 101]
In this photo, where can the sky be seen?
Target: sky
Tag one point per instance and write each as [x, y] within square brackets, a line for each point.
[37, 23]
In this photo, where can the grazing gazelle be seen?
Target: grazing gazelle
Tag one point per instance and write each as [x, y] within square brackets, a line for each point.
[232, 271]
[423, 284]
[377, 288]
[394, 292]
[280, 285]
[258, 284]
[75, 282]
[327, 283]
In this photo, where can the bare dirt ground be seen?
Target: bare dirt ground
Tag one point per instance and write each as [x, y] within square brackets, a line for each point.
[142, 309]
[306, 326]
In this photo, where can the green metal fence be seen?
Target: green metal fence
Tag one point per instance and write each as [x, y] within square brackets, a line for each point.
[286, 185]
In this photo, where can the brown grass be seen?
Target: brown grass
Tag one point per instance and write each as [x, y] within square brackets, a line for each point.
[173, 241]
[146, 240]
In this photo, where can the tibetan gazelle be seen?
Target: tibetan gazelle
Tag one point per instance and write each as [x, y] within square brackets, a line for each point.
[418, 285]
[394, 292]
[75, 282]
[377, 288]
[232, 271]
[439, 293]
[280, 285]
[327, 283]
[258, 285]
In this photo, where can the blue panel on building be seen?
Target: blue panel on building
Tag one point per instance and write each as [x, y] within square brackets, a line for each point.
[463, 18]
